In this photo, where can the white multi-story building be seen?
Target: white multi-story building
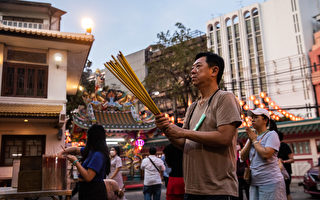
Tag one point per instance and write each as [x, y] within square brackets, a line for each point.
[265, 47]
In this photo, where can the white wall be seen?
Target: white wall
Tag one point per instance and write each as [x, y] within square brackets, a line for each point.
[280, 42]
[278, 30]
[57, 75]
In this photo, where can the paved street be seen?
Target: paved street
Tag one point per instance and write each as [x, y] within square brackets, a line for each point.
[297, 194]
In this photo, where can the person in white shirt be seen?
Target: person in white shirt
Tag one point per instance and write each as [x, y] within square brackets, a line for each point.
[153, 168]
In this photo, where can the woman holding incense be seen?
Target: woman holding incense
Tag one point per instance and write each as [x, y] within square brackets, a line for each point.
[262, 148]
[94, 166]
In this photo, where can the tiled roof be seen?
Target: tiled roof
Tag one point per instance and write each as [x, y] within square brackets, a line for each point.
[114, 121]
[36, 110]
[48, 33]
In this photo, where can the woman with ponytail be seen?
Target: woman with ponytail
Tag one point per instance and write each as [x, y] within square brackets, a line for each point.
[262, 147]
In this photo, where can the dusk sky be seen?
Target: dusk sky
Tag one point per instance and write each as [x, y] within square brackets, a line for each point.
[132, 25]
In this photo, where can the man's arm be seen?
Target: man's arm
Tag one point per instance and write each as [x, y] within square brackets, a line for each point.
[222, 137]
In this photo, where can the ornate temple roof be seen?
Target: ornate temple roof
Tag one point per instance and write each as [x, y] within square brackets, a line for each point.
[115, 121]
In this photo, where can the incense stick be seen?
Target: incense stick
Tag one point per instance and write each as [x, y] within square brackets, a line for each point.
[123, 72]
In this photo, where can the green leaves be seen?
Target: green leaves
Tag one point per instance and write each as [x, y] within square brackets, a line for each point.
[170, 61]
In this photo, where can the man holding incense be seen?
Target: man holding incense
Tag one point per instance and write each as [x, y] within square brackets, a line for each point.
[209, 135]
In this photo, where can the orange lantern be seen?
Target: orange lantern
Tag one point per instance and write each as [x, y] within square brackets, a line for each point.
[252, 97]
[241, 103]
[256, 102]
[263, 94]
[262, 105]
[267, 99]
[246, 107]
[272, 103]
[244, 124]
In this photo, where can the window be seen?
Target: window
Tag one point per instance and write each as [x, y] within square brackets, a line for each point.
[247, 15]
[300, 147]
[248, 26]
[218, 37]
[236, 30]
[259, 43]
[229, 33]
[255, 12]
[19, 21]
[24, 80]
[21, 145]
[25, 56]
[211, 37]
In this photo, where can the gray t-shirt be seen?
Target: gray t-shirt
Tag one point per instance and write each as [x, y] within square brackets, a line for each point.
[265, 171]
[212, 170]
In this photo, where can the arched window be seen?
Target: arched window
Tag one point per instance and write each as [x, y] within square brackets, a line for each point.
[235, 19]
[211, 37]
[228, 22]
[246, 15]
[255, 12]
[217, 25]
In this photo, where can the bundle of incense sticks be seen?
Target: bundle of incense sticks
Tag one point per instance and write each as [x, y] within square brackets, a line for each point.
[123, 72]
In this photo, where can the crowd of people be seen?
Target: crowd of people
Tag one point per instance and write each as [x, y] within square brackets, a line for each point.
[205, 157]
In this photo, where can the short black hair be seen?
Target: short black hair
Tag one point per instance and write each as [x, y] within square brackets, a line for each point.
[117, 148]
[213, 60]
[152, 151]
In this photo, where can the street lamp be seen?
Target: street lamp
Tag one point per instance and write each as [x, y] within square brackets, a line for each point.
[87, 24]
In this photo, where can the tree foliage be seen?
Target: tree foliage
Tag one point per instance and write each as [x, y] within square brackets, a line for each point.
[73, 101]
[170, 64]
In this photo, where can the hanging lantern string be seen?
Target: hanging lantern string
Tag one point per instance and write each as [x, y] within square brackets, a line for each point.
[271, 103]
[123, 72]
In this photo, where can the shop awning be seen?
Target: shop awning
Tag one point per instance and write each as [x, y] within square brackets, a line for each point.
[29, 110]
